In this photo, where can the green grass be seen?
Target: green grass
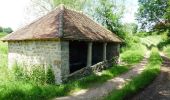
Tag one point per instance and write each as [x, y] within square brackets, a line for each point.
[138, 83]
[2, 34]
[132, 57]
[166, 50]
[133, 54]
[21, 90]
[151, 41]
[12, 89]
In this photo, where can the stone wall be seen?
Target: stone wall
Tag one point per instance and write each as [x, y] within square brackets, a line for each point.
[89, 70]
[113, 52]
[41, 53]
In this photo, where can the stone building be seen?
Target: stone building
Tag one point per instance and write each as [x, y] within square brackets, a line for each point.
[64, 39]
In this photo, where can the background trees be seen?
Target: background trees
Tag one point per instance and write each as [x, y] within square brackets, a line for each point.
[153, 13]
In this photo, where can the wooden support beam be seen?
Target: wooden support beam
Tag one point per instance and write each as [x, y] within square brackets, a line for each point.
[104, 51]
[89, 54]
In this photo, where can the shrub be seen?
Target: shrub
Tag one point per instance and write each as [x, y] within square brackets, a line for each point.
[50, 77]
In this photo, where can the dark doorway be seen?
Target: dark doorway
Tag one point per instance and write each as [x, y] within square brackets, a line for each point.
[112, 51]
[97, 52]
[77, 55]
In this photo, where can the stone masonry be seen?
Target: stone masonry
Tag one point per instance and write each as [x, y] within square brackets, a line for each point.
[41, 53]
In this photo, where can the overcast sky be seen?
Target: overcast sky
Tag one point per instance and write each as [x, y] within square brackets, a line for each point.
[12, 12]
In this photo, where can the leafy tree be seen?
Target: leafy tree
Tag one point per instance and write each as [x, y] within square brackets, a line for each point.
[109, 14]
[131, 28]
[7, 30]
[167, 14]
[74, 4]
[151, 12]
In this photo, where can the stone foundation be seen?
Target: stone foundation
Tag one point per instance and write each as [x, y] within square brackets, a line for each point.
[92, 69]
[41, 53]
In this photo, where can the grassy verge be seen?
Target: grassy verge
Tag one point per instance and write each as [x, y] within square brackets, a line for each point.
[132, 55]
[2, 34]
[21, 90]
[166, 50]
[12, 89]
[136, 84]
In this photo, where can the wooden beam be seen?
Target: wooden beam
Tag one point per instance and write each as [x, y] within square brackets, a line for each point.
[89, 54]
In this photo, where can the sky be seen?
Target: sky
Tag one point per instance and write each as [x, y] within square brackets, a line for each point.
[130, 10]
[12, 12]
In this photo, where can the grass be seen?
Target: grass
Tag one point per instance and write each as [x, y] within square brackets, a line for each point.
[2, 34]
[166, 50]
[21, 90]
[132, 55]
[151, 41]
[137, 83]
[12, 89]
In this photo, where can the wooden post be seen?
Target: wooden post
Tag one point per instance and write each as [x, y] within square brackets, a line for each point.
[104, 51]
[89, 54]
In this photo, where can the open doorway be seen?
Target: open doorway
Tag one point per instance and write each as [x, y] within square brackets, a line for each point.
[77, 55]
[97, 52]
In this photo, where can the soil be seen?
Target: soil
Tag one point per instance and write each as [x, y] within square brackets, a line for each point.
[160, 88]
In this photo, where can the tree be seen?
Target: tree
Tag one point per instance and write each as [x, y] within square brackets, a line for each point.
[109, 14]
[74, 4]
[7, 30]
[151, 12]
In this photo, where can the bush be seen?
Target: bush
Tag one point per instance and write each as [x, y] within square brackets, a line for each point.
[50, 77]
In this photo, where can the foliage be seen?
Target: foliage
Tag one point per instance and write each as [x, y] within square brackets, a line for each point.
[109, 14]
[26, 90]
[167, 13]
[151, 12]
[166, 50]
[164, 41]
[3, 55]
[1, 29]
[23, 88]
[142, 34]
[74, 4]
[131, 28]
[132, 57]
[151, 41]
[18, 72]
[141, 81]
[50, 78]
[2, 34]
[7, 30]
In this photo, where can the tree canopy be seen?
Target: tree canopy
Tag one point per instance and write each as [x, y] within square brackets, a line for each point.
[151, 12]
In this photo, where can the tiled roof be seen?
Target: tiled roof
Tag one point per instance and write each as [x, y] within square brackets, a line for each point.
[66, 24]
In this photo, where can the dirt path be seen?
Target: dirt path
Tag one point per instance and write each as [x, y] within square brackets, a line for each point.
[160, 88]
[97, 92]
